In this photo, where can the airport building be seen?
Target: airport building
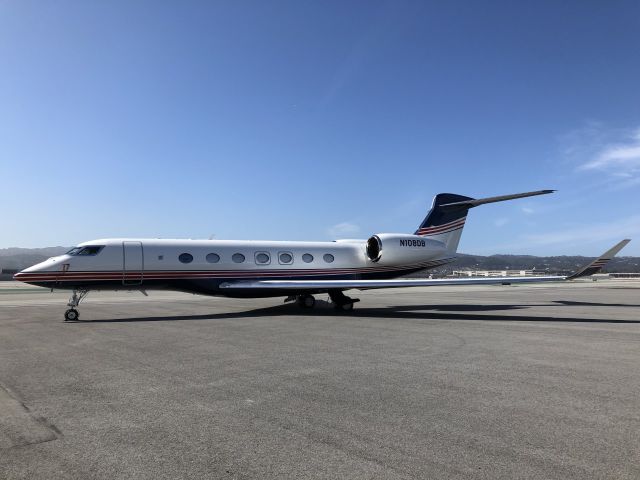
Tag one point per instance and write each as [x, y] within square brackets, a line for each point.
[531, 273]
[500, 273]
[7, 274]
[624, 275]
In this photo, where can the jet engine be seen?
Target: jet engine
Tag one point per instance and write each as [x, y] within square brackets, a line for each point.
[401, 249]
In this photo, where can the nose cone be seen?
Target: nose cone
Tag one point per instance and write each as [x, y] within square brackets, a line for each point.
[38, 273]
[27, 274]
[31, 269]
[21, 276]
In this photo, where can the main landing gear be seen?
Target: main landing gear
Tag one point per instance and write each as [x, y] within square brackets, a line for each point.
[340, 300]
[72, 314]
[306, 301]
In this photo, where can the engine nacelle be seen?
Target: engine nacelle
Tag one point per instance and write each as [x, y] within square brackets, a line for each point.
[401, 249]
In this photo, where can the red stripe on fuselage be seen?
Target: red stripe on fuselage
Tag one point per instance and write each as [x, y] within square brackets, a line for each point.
[173, 274]
[433, 234]
[442, 228]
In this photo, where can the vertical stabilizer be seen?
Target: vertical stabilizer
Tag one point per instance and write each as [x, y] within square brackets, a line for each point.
[447, 216]
[445, 225]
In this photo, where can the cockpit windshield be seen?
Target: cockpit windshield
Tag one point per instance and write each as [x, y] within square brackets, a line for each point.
[86, 251]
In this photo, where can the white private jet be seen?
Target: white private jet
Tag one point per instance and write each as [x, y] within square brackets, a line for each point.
[296, 270]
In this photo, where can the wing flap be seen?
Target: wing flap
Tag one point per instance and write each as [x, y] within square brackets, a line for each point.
[369, 284]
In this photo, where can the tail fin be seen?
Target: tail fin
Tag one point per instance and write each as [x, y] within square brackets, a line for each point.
[445, 220]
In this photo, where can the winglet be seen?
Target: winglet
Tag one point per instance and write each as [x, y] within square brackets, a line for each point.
[599, 262]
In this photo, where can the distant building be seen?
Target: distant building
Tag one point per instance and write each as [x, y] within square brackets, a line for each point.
[7, 274]
[498, 273]
[624, 275]
[533, 273]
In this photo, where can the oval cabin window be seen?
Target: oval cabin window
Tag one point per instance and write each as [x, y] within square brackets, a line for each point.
[285, 258]
[328, 258]
[213, 258]
[262, 258]
[238, 258]
[307, 258]
[185, 258]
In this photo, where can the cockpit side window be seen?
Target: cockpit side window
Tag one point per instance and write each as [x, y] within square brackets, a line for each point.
[89, 250]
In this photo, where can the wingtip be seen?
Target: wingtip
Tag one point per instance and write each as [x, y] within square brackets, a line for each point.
[620, 245]
[601, 261]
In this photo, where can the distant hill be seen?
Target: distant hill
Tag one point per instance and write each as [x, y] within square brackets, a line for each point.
[530, 262]
[48, 251]
[19, 258]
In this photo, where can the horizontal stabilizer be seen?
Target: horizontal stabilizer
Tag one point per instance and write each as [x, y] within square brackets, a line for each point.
[600, 262]
[474, 202]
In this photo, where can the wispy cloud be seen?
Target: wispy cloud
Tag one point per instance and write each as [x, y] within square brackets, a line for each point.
[621, 159]
[584, 141]
[614, 230]
[500, 222]
[612, 152]
[578, 239]
[344, 229]
[528, 210]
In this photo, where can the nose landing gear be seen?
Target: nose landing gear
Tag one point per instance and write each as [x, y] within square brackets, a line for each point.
[72, 314]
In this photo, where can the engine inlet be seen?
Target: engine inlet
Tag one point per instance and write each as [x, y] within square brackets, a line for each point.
[374, 248]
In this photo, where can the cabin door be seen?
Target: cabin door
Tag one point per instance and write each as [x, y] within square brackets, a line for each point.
[133, 263]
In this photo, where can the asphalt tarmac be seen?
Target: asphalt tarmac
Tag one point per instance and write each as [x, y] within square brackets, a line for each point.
[487, 382]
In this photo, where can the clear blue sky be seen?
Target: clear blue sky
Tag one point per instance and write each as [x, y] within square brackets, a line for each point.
[317, 120]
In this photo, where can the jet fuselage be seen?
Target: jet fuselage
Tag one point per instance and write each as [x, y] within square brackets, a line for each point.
[201, 266]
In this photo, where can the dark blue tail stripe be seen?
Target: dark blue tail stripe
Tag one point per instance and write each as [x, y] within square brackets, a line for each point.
[440, 216]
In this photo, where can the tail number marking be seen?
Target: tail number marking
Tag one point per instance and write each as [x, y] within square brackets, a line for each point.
[413, 243]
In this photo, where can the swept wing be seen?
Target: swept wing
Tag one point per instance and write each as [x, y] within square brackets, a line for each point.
[316, 285]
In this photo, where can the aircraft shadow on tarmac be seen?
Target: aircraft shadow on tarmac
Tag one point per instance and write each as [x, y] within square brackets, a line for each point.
[406, 312]
[594, 304]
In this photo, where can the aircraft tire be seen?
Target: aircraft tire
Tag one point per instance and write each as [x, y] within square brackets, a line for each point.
[306, 301]
[346, 307]
[71, 315]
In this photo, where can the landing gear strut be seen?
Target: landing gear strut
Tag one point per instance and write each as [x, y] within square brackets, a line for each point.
[72, 314]
[341, 301]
